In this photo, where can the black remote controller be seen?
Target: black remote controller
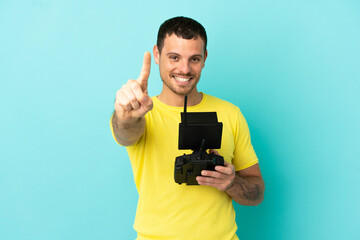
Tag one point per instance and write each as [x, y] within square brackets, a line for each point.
[188, 167]
[198, 131]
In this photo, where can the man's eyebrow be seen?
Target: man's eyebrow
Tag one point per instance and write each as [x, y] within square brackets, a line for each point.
[172, 53]
[195, 55]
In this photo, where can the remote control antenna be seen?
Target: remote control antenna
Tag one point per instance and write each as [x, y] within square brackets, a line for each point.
[185, 104]
[202, 146]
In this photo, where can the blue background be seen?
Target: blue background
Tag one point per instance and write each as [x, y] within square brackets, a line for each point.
[293, 67]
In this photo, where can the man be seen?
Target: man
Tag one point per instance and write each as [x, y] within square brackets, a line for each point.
[148, 127]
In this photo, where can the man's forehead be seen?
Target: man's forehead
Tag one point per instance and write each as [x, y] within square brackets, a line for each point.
[173, 41]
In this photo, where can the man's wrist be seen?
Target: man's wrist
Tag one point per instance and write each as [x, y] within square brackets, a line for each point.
[124, 123]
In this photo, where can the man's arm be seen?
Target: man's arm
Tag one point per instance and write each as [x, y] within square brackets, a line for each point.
[246, 186]
[127, 133]
[131, 104]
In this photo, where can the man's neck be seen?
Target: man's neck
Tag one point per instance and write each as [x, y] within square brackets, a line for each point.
[176, 100]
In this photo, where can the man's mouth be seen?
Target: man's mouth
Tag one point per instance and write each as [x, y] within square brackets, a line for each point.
[182, 79]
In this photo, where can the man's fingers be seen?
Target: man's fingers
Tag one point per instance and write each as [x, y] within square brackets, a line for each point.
[131, 97]
[140, 95]
[228, 168]
[145, 71]
[132, 101]
[213, 151]
[213, 174]
[122, 101]
[208, 180]
[136, 89]
[144, 108]
[224, 170]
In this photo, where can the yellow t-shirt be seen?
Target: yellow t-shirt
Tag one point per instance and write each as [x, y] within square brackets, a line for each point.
[167, 210]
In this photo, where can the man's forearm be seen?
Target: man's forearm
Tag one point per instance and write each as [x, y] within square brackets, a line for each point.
[127, 133]
[247, 191]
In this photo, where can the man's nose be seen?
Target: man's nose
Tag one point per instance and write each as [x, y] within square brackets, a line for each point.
[184, 67]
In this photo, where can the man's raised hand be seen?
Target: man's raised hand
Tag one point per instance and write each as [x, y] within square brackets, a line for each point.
[132, 100]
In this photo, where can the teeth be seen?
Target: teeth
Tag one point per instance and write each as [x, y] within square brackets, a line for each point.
[182, 79]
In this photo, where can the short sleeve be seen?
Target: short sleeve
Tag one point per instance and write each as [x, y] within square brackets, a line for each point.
[244, 154]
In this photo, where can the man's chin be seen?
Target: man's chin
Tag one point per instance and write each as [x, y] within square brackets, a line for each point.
[183, 92]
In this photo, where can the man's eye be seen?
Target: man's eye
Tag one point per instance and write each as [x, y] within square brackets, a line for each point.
[174, 58]
[196, 59]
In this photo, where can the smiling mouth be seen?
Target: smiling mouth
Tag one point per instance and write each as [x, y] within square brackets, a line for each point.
[182, 79]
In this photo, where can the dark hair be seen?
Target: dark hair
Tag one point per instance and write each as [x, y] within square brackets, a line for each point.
[183, 27]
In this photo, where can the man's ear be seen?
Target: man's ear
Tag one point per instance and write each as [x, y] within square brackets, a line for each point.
[205, 56]
[156, 54]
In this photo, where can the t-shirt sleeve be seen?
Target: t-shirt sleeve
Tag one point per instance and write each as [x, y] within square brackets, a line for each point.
[244, 154]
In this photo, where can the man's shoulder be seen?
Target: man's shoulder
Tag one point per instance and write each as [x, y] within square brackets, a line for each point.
[219, 103]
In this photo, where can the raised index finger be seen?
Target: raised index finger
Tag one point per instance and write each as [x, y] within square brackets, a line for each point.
[145, 71]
